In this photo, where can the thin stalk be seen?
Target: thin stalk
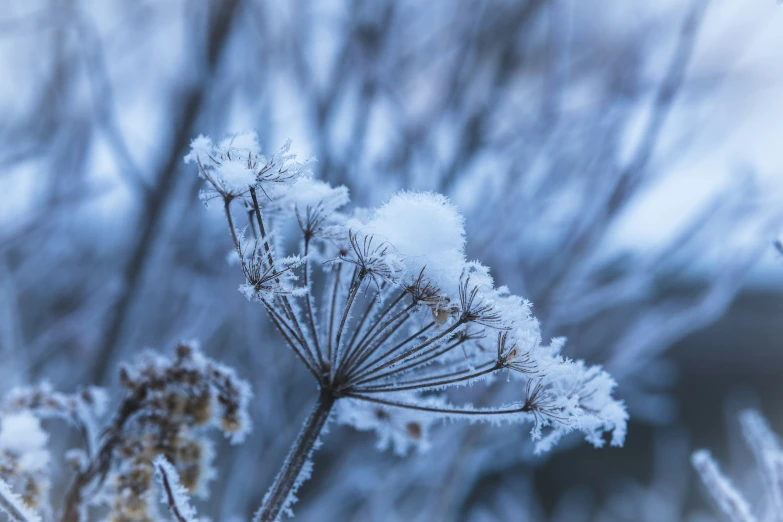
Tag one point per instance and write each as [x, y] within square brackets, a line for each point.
[350, 348]
[331, 311]
[370, 347]
[361, 364]
[416, 362]
[356, 283]
[377, 320]
[261, 229]
[360, 367]
[262, 232]
[289, 477]
[525, 408]
[309, 306]
[227, 208]
[408, 353]
[417, 384]
[250, 223]
[280, 324]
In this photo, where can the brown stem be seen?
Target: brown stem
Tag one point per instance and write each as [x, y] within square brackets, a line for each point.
[99, 465]
[261, 229]
[288, 479]
[358, 328]
[170, 497]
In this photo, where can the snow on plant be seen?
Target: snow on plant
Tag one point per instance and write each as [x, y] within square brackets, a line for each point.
[24, 458]
[385, 312]
[768, 454]
[158, 428]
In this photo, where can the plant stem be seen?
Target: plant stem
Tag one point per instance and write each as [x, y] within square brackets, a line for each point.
[290, 476]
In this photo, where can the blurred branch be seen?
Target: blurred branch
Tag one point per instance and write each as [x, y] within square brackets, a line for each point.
[155, 203]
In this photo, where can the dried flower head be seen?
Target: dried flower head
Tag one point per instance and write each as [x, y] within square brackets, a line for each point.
[404, 316]
[169, 405]
[234, 165]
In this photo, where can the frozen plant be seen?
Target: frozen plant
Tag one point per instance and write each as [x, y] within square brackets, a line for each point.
[158, 429]
[768, 454]
[383, 309]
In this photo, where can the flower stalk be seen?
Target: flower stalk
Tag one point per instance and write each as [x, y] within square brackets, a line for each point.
[292, 472]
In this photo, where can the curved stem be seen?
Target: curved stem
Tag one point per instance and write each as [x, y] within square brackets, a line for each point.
[290, 476]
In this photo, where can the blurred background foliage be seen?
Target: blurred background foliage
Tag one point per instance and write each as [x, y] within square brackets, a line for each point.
[616, 163]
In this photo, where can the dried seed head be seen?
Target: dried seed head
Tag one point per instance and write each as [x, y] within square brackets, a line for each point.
[201, 409]
[230, 424]
[414, 430]
[440, 315]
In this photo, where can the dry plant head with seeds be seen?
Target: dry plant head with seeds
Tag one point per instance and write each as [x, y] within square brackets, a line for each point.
[380, 306]
[385, 312]
[158, 429]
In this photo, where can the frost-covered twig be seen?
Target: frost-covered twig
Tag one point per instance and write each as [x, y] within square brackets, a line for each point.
[720, 489]
[768, 454]
[173, 494]
[14, 506]
[297, 467]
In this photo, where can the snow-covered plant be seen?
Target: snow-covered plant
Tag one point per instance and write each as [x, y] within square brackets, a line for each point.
[24, 458]
[768, 455]
[159, 427]
[384, 310]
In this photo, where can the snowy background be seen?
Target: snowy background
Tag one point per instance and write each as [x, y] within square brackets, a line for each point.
[618, 163]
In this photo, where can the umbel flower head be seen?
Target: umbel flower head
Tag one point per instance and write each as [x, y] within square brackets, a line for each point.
[236, 164]
[426, 317]
[388, 313]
